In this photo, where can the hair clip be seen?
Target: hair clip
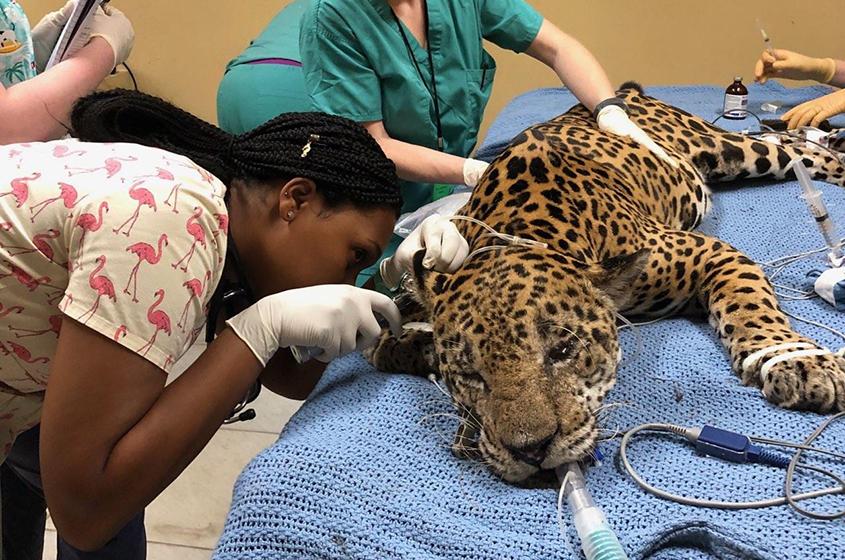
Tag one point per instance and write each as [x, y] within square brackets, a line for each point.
[306, 149]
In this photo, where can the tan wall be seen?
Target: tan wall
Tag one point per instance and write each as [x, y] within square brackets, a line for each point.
[183, 45]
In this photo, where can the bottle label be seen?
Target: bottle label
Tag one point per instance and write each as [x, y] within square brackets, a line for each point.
[736, 106]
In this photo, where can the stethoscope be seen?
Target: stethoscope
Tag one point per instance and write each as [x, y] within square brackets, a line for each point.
[226, 296]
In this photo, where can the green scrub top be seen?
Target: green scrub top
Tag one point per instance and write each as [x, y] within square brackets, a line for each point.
[357, 66]
[280, 39]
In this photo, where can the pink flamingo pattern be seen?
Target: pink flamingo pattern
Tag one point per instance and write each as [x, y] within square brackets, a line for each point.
[144, 252]
[74, 196]
[174, 193]
[101, 285]
[196, 288]
[26, 279]
[205, 176]
[89, 223]
[161, 173]
[20, 189]
[5, 311]
[111, 166]
[194, 228]
[55, 328]
[41, 245]
[159, 319]
[120, 332]
[62, 151]
[144, 198]
[67, 194]
[24, 355]
[222, 229]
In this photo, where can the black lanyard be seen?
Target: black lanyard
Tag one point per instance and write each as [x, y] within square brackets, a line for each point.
[433, 89]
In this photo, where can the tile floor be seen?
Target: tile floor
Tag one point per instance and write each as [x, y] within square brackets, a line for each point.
[185, 521]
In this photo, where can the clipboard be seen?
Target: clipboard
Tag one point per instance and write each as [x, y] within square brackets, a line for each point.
[74, 36]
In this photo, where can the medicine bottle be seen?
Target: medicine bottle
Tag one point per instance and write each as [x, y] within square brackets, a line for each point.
[736, 100]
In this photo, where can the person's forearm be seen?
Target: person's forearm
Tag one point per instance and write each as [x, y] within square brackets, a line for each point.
[424, 165]
[38, 109]
[148, 457]
[838, 79]
[579, 70]
[576, 67]
[288, 378]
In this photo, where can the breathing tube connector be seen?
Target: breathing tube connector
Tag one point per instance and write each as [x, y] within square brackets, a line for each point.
[598, 541]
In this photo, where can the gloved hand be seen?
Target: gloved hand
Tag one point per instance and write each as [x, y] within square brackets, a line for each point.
[338, 319]
[46, 32]
[813, 112]
[473, 170]
[117, 31]
[613, 119]
[445, 250]
[793, 66]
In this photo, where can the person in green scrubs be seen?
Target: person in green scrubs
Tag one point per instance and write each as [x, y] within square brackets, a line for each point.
[415, 73]
[266, 79]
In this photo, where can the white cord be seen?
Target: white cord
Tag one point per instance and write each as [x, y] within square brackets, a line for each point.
[561, 522]
[512, 239]
[815, 324]
[787, 498]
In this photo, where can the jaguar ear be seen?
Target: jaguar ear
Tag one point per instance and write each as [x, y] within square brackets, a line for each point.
[614, 276]
[428, 284]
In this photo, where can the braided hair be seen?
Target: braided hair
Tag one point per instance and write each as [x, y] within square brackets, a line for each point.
[344, 161]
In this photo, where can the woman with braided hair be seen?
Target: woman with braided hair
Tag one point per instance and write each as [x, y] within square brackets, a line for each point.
[120, 244]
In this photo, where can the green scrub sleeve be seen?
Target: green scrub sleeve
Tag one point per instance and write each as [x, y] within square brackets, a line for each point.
[510, 24]
[338, 77]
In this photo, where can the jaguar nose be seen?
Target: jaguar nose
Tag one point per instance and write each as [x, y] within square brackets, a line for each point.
[534, 453]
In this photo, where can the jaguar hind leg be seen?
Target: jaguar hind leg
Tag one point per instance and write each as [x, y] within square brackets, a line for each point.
[725, 156]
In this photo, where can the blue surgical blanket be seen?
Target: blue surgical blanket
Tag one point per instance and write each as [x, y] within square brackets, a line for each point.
[363, 470]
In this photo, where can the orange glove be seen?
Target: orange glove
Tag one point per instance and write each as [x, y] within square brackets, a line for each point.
[813, 112]
[793, 66]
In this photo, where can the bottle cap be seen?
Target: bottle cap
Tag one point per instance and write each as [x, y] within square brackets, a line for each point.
[738, 79]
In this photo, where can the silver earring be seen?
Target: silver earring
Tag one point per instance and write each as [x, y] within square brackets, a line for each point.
[290, 214]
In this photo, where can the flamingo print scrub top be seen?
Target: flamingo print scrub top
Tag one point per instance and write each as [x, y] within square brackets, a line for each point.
[125, 239]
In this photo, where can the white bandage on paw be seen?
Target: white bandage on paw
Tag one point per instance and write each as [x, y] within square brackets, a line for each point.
[775, 360]
[750, 362]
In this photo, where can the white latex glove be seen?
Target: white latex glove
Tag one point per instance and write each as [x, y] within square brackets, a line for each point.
[445, 250]
[116, 29]
[337, 319]
[613, 119]
[473, 170]
[46, 33]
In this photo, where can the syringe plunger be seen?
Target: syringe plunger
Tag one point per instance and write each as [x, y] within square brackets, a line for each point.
[813, 197]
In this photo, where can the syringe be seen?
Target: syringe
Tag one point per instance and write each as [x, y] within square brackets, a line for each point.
[767, 41]
[597, 538]
[813, 197]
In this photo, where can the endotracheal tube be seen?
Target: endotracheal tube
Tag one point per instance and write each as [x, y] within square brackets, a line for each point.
[597, 538]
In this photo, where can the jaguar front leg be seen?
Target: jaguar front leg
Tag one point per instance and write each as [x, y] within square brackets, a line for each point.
[412, 352]
[792, 370]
